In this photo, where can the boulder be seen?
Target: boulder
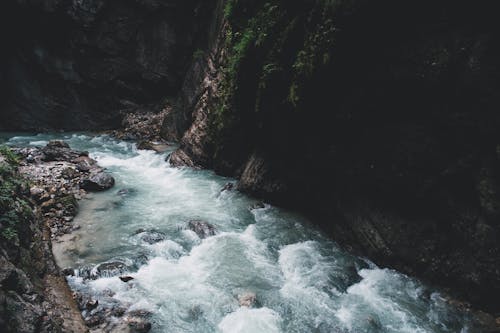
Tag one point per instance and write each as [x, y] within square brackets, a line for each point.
[84, 163]
[98, 182]
[58, 151]
[201, 228]
[109, 269]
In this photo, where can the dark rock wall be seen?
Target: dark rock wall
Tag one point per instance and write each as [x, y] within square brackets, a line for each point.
[69, 64]
[378, 118]
[25, 257]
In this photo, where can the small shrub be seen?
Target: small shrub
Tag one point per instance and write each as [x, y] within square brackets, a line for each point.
[11, 157]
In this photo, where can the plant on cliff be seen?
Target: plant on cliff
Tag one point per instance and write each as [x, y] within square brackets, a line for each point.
[15, 210]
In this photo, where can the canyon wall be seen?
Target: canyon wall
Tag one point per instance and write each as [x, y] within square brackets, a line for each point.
[71, 64]
[379, 119]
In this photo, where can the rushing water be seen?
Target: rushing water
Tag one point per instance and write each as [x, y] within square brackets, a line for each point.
[303, 281]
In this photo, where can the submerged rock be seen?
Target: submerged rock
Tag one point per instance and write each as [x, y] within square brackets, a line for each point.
[258, 205]
[201, 228]
[91, 304]
[152, 236]
[126, 278]
[227, 187]
[159, 147]
[98, 182]
[125, 192]
[247, 299]
[109, 269]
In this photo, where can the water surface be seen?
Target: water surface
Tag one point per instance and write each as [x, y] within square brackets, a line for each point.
[303, 281]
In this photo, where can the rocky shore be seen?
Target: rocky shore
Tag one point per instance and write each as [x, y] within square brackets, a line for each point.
[46, 183]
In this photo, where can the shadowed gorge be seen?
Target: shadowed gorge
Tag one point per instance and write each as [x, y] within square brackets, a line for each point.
[377, 122]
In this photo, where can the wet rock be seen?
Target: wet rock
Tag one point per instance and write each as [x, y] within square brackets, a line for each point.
[201, 228]
[228, 187]
[258, 205]
[117, 311]
[91, 304]
[125, 192]
[109, 269]
[145, 145]
[139, 313]
[68, 271]
[126, 278]
[152, 237]
[139, 325]
[97, 182]
[85, 163]
[94, 321]
[159, 147]
[247, 299]
[179, 158]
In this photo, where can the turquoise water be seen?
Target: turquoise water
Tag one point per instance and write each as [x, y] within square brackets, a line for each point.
[303, 281]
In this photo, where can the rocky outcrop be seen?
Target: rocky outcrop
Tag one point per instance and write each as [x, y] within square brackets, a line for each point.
[378, 119]
[81, 64]
[201, 228]
[33, 295]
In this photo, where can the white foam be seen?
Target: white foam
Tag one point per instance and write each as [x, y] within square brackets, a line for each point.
[245, 320]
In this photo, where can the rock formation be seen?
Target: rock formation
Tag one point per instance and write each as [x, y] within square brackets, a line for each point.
[379, 119]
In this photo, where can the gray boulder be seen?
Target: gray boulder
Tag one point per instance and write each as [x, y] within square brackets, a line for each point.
[97, 182]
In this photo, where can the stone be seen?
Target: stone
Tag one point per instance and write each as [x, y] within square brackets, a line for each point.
[126, 278]
[201, 228]
[258, 205]
[100, 181]
[69, 173]
[91, 304]
[227, 187]
[109, 269]
[247, 299]
[152, 237]
[57, 144]
[85, 163]
[125, 192]
[139, 326]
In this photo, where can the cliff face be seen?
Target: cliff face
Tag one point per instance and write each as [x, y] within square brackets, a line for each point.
[25, 257]
[77, 64]
[379, 119]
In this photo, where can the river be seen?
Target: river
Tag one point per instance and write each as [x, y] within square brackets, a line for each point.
[302, 280]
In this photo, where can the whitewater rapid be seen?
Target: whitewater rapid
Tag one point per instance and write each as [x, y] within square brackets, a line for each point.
[302, 280]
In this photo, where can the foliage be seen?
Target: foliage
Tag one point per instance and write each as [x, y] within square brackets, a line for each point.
[198, 54]
[15, 210]
[11, 157]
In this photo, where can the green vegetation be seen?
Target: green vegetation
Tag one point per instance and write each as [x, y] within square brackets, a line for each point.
[273, 49]
[11, 157]
[198, 54]
[15, 210]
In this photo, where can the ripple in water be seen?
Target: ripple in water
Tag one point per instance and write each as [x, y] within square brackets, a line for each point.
[302, 280]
